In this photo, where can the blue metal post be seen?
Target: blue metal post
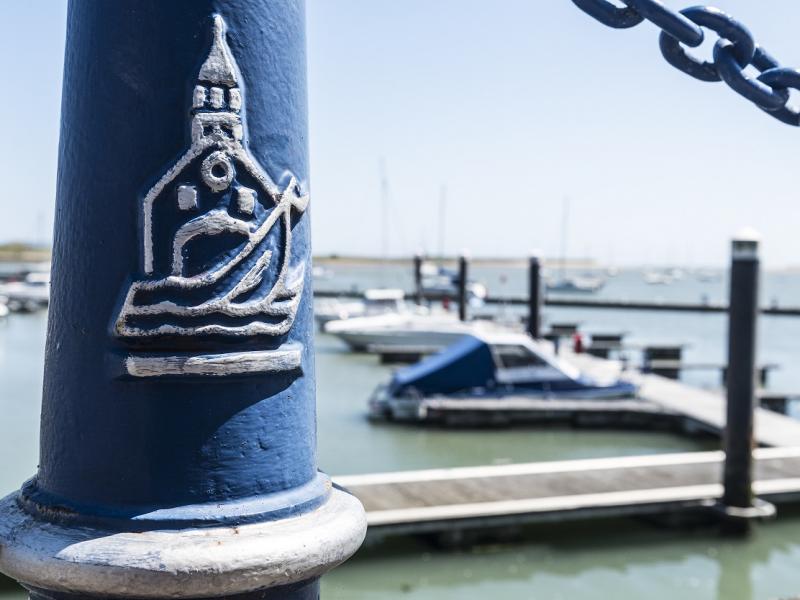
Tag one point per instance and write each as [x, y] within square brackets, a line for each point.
[179, 392]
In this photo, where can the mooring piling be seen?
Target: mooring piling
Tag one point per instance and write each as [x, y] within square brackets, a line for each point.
[463, 273]
[178, 453]
[534, 296]
[738, 502]
[664, 360]
[418, 299]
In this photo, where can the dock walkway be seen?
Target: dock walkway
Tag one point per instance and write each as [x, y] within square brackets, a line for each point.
[443, 500]
[702, 409]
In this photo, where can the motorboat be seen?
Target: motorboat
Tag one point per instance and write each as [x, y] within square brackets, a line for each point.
[676, 273]
[658, 278]
[376, 301]
[426, 333]
[494, 367]
[440, 282]
[26, 292]
[586, 284]
[320, 272]
[707, 275]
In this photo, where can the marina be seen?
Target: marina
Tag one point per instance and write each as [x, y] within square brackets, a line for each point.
[346, 380]
[546, 349]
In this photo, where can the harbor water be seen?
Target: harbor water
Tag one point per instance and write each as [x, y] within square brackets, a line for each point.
[613, 559]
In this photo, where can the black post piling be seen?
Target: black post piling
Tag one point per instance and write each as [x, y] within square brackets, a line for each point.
[534, 297]
[664, 361]
[418, 278]
[738, 503]
[462, 286]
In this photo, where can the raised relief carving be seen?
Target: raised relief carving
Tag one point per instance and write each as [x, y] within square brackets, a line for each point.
[217, 255]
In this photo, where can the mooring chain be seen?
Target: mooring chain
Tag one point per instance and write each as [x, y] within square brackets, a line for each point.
[735, 51]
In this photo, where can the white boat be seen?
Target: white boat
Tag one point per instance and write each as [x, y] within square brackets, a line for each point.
[376, 301]
[586, 285]
[320, 272]
[707, 275]
[441, 282]
[406, 331]
[3, 307]
[658, 278]
[28, 293]
[676, 273]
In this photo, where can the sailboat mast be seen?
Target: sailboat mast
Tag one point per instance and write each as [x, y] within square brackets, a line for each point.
[384, 211]
[442, 211]
[564, 228]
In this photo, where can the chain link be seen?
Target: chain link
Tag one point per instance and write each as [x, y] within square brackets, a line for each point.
[734, 51]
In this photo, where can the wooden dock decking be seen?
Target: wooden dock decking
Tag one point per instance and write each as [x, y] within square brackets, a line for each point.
[443, 500]
[703, 408]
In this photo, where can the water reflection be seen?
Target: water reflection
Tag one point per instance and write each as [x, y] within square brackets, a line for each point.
[613, 559]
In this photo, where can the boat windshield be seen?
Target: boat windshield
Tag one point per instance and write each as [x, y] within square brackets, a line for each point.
[511, 356]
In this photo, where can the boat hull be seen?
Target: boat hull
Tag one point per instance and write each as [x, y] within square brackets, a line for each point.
[615, 404]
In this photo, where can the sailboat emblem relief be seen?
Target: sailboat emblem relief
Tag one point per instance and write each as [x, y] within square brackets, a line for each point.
[217, 257]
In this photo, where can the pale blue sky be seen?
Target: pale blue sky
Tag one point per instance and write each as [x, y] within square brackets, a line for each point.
[512, 104]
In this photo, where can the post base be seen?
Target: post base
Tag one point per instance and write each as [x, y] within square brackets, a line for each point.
[307, 590]
[760, 510]
[736, 520]
[204, 562]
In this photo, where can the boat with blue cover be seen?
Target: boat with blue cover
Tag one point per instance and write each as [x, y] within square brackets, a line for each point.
[493, 371]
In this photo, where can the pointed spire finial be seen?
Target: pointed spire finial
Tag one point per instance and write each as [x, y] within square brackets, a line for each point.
[218, 68]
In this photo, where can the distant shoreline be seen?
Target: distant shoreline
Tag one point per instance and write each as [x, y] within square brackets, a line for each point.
[22, 253]
[27, 255]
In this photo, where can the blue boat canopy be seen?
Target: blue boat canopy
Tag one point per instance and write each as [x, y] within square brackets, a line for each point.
[468, 363]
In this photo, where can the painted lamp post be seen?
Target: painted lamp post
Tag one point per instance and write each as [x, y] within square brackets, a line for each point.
[178, 419]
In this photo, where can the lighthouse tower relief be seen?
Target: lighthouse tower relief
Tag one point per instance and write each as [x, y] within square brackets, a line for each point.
[216, 236]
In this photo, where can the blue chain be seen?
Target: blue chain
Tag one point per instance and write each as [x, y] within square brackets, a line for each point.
[734, 51]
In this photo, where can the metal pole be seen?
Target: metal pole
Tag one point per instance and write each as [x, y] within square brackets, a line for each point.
[534, 297]
[418, 278]
[738, 500]
[462, 286]
[178, 451]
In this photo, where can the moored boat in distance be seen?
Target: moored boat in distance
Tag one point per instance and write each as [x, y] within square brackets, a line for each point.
[440, 282]
[423, 333]
[376, 301]
[494, 368]
[26, 292]
[658, 278]
[586, 284]
[707, 275]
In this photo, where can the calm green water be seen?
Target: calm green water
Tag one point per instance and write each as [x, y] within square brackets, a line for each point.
[599, 560]
[612, 560]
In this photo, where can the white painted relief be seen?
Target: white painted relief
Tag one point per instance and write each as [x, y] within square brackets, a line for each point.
[216, 235]
[232, 363]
